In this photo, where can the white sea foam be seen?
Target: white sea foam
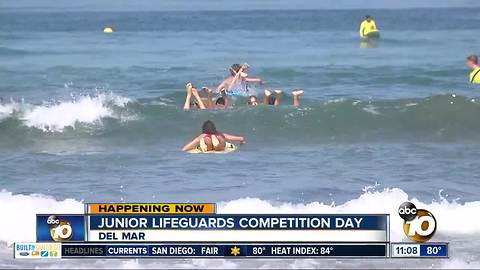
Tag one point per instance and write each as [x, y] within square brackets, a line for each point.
[8, 109]
[371, 109]
[24, 208]
[60, 115]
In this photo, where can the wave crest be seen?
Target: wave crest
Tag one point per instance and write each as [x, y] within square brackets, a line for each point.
[435, 118]
[55, 117]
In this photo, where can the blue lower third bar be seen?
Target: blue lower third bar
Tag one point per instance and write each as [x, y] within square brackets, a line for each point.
[434, 250]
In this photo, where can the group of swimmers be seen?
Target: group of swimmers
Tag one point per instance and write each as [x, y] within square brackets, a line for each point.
[237, 83]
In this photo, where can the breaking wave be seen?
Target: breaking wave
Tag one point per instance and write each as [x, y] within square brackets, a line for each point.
[435, 118]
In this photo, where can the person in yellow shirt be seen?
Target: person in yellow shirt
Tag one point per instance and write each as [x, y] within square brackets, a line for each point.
[472, 62]
[368, 25]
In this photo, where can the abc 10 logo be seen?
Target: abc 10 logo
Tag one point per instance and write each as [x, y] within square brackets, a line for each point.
[418, 224]
[60, 230]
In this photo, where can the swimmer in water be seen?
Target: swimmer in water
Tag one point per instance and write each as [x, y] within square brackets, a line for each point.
[276, 100]
[204, 103]
[211, 139]
[472, 62]
[368, 25]
[238, 80]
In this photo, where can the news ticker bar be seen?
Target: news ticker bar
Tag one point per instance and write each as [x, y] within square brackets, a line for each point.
[240, 250]
[172, 250]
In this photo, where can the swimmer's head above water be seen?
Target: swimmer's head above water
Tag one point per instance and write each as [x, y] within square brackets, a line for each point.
[472, 61]
[221, 102]
[252, 101]
[208, 127]
[235, 68]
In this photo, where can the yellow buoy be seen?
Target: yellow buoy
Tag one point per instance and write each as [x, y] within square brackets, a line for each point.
[108, 30]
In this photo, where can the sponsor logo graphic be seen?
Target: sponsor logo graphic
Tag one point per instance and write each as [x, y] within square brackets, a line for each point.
[37, 250]
[419, 225]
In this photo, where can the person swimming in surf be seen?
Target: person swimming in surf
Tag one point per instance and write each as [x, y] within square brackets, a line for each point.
[221, 102]
[212, 140]
[269, 99]
[237, 82]
[472, 62]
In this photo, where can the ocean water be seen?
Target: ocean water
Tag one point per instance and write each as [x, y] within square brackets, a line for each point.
[89, 117]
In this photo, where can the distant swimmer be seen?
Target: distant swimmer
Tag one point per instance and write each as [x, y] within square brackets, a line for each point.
[368, 26]
[221, 102]
[269, 99]
[211, 139]
[238, 81]
[472, 62]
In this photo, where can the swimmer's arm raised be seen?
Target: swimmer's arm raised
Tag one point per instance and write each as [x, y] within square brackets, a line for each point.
[235, 78]
[186, 106]
[198, 99]
[191, 145]
[234, 138]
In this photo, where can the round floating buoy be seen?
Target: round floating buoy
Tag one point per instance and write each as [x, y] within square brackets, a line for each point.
[108, 30]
